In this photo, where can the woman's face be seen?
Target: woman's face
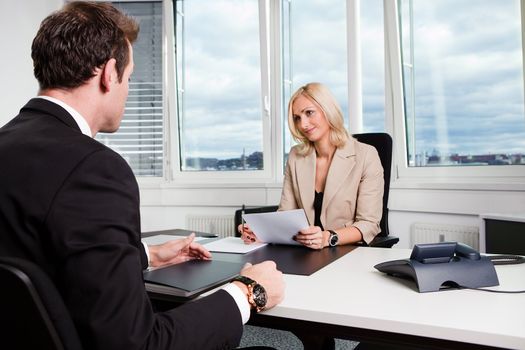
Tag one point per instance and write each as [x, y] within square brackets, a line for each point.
[309, 119]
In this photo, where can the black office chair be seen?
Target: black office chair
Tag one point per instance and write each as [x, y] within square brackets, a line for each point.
[32, 312]
[383, 143]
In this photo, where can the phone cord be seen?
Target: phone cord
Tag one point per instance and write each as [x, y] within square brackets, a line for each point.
[506, 259]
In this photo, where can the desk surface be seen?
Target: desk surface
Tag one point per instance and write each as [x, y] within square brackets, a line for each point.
[350, 292]
[350, 299]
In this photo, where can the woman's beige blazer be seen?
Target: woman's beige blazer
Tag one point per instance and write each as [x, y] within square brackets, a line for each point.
[353, 193]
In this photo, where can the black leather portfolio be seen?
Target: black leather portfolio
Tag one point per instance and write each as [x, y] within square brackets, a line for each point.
[290, 259]
[189, 279]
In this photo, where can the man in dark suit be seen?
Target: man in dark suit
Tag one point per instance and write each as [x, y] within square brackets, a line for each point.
[71, 205]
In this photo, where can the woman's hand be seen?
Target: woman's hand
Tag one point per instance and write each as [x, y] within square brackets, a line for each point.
[177, 251]
[312, 237]
[247, 235]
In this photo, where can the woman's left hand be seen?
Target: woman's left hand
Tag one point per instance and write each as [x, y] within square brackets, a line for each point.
[312, 237]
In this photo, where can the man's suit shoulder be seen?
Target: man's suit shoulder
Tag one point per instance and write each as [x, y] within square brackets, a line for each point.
[50, 127]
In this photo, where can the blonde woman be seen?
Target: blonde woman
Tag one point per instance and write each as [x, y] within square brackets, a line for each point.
[337, 180]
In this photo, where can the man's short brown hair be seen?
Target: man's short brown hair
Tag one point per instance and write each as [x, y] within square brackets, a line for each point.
[76, 40]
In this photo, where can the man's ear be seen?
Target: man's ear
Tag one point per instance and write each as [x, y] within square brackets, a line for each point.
[108, 75]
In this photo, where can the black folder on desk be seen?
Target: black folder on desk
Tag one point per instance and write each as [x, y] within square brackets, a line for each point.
[290, 259]
[189, 279]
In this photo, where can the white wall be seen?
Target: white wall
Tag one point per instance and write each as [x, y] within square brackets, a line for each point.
[19, 22]
[165, 207]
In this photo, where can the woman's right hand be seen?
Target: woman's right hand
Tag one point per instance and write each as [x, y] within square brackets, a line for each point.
[247, 235]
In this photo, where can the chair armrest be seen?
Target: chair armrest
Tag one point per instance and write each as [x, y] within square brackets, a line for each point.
[384, 241]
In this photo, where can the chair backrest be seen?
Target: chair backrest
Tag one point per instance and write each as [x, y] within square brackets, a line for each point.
[383, 143]
[238, 214]
[32, 312]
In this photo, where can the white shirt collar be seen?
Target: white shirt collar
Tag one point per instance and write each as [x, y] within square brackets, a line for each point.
[79, 119]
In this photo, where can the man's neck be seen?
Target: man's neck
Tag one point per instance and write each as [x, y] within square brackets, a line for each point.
[76, 100]
[67, 101]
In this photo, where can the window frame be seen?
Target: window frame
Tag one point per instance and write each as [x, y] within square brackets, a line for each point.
[501, 177]
[174, 172]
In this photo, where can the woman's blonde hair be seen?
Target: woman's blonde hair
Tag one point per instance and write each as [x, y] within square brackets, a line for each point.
[319, 94]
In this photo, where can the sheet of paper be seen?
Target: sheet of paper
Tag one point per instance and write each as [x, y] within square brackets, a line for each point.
[232, 245]
[159, 239]
[277, 227]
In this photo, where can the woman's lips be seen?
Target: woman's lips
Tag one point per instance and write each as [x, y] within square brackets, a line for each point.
[309, 131]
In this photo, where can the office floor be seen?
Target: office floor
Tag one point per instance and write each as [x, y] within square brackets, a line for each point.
[281, 340]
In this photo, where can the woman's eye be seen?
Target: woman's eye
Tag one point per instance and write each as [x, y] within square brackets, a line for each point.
[309, 113]
[296, 118]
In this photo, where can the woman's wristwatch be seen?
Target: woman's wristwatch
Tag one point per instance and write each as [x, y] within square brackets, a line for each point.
[257, 296]
[333, 238]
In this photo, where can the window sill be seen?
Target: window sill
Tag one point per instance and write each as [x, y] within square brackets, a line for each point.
[209, 194]
[515, 184]
[174, 184]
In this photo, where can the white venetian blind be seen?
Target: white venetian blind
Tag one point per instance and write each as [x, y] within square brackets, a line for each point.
[140, 137]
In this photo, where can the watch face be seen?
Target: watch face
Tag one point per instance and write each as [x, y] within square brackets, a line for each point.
[259, 296]
[334, 239]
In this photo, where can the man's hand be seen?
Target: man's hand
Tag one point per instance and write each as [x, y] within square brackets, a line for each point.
[267, 275]
[177, 251]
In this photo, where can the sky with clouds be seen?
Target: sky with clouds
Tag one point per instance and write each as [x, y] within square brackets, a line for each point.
[467, 61]
[468, 65]
[222, 80]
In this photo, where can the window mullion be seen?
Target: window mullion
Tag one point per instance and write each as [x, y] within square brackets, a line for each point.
[355, 89]
[394, 111]
[266, 102]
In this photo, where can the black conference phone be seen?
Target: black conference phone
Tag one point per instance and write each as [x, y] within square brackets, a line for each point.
[446, 264]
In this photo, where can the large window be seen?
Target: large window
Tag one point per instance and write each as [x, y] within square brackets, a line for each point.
[219, 85]
[445, 78]
[463, 82]
[140, 138]
[221, 78]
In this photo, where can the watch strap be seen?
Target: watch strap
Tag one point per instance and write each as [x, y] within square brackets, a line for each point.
[250, 284]
[244, 280]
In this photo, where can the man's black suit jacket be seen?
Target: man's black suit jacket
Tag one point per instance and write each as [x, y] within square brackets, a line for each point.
[71, 205]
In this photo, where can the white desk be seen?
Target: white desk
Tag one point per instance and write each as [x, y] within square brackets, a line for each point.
[352, 295]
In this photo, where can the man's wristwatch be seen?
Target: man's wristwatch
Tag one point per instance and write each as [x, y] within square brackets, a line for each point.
[257, 296]
[333, 238]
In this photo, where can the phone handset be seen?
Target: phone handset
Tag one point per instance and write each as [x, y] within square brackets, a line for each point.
[466, 251]
[443, 252]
